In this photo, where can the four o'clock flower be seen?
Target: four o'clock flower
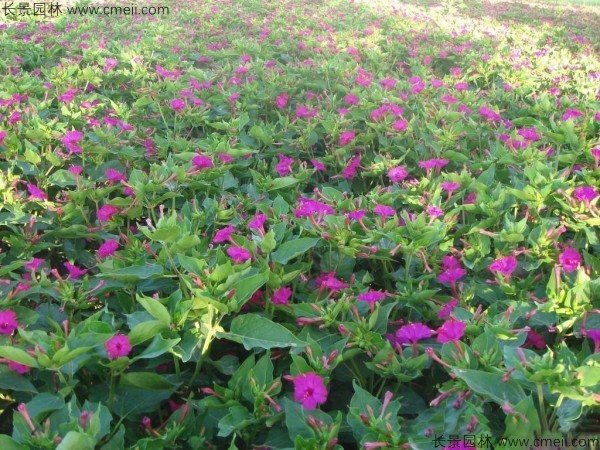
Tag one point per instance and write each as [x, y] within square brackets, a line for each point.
[505, 265]
[570, 259]
[108, 248]
[239, 254]
[118, 346]
[106, 212]
[223, 234]
[281, 100]
[346, 137]
[8, 322]
[451, 331]
[397, 174]
[282, 296]
[310, 390]
[586, 193]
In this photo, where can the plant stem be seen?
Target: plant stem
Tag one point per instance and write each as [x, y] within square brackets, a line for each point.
[540, 391]
[111, 392]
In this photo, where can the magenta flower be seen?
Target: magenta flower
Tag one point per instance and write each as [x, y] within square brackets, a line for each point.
[529, 134]
[346, 137]
[310, 390]
[434, 211]
[118, 346]
[450, 186]
[74, 271]
[451, 275]
[446, 310]
[451, 330]
[570, 259]
[284, 166]
[258, 222]
[461, 86]
[329, 281]
[309, 207]
[2, 136]
[585, 193]
[281, 100]
[431, 163]
[400, 125]
[450, 262]
[202, 162]
[282, 296]
[535, 339]
[239, 254]
[18, 368]
[349, 171]
[571, 114]
[505, 265]
[351, 99]
[397, 174]
[413, 332]
[36, 193]
[110, 64]
[34, 263]
[106, 212]
[371, 297]
[8, 322]
[71, 141]
[114, 175]
[384, 211]
[108, 248]
[490, 114]
[223, 234]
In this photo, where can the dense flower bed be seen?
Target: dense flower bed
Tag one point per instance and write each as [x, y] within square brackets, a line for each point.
[300, 224]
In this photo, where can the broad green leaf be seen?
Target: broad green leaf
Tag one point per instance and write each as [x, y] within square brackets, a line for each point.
[492, 386]
[291, 249]
[146, 330]
[254, 331]
[135, 273]
[13, 381]
[245, 287]
[8, 443]
[155, 308]
[589, 375]
[158, 346]
[17, 354]
[146, 380]
[75, 440]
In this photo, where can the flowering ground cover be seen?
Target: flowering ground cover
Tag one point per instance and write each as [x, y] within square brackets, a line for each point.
[300, 224]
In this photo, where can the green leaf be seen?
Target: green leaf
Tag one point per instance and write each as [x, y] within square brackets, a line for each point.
[19, 355]
[155, 308]
[44, 403]
[8, 443]
[146, 330]
[254, 331]
[516, 426]
[238, 418]
[158, 346]
[77, 441]
[292, 249]
[117, 442]
[13, 381]
[492, 386]
[283, 182]
[589, 375]
[135, 273]
[146, 380]
[245, 287]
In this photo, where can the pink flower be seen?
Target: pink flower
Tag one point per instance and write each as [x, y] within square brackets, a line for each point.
[118, 346]
[71, 139]
[371, 297]
[585, 193]
[108, 248]
[490, 114]
[446, 310]
[310, 390]
[258, 221]
[239, 254]
[114, 175]
[571, 114]
[461, 86]
[225, 158]
[110, 64]
[434, 211]
[18, 368]
[282, 296]
[397, 174]
[451, 275]
[384, 211]
[2, 136]
[106, 212]
[281, 100]
[413, 332]
[346, 137]
[351, 99]
[74, 271]
[8, 322]
[435, 162]
[318, 165]
[329, 281]
[349, 171]
[505, 265]
[570, 259]
[309, 207]
[400, 125]
[223, 234]
[284, 166]
[535, 340]
[450, 186]
[529, 134]
[202, 162]
[36, 192]
[451, 330]
[34, 263]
